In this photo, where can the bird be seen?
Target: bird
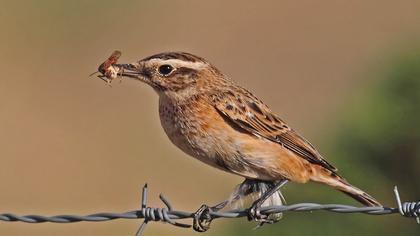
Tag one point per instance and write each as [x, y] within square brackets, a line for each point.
[213, 119]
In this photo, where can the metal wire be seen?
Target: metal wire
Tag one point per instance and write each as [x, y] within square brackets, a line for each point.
[167, 214]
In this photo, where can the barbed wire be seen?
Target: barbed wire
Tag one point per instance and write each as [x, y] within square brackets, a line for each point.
[204, 215]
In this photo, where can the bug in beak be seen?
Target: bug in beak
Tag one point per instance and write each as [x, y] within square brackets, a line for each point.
[110, 70]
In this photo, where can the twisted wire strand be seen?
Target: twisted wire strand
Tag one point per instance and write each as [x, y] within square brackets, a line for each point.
[407, 209]
[168, 215]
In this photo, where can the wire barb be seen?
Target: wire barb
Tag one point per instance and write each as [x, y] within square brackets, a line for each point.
[407, 209]
[204, 215]
[156, 214]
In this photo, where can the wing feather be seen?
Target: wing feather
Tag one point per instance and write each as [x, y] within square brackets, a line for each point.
[253, 116]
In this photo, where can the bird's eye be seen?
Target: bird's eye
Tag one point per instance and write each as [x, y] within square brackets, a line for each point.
[165, 69]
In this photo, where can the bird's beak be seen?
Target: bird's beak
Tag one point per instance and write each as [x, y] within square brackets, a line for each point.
[132, 70]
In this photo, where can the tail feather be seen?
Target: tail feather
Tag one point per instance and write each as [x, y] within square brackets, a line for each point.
[363, 198]
[332, 179]
[251, 190]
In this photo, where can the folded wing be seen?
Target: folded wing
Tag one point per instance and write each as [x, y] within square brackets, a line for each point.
[248, 113]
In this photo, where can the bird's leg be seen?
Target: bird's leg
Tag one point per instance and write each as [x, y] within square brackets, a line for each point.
[254, 211]
[202, 218]
[222, 205]
[232, 199]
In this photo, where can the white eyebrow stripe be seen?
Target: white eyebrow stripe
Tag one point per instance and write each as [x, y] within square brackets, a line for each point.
[179, 63]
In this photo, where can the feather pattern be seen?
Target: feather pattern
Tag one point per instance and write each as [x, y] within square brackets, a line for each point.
[253, 116]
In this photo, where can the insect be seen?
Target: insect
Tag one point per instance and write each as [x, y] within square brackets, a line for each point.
[107, 69]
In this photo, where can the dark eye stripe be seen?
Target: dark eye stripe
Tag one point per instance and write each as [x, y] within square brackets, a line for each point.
[185, 71]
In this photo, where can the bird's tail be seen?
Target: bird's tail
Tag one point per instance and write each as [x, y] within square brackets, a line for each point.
[330, 178]
[251, 190]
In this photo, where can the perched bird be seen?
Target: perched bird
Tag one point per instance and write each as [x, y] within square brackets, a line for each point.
[211, 118]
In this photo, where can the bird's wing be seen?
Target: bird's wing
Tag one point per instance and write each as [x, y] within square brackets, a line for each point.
[248, 113]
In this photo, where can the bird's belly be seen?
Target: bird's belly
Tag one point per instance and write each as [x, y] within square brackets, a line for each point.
[211, 143]
[211, 140]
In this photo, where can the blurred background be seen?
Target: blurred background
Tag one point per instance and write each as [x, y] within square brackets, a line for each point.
[69, 144]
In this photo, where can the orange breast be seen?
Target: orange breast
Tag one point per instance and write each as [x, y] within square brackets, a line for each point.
[200, 131]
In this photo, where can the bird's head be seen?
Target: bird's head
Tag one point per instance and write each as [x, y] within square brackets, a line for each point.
[177, 75]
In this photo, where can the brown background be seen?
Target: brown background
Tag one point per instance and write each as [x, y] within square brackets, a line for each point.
[70, 144]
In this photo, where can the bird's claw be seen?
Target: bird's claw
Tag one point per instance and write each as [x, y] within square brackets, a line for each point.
[254, 214]
[202, 219]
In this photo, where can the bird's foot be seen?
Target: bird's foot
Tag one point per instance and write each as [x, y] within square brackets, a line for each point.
[254, 214]
[202, 219]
